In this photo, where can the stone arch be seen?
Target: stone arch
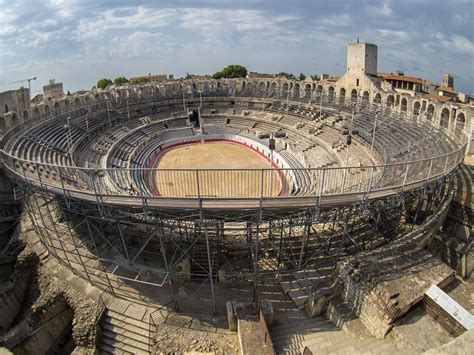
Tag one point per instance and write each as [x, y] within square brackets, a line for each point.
[3, 124]
[285, 89]
[416, 108]
[365, 97]
[390, 101]
[342, 95]
[15, 120]
[331, 93]
[46, 110]
[378, 99]
[404, 105]
[274, 88]
[67, 106]
[36, 112]
[353, 95]
[307, 91]
[26, 115]
[319, 90]
[460, 121]
[57, 108]
[430, 112]
[77, 102]
[444, 122]
[296, 91]
[87, 100]
[261, 88]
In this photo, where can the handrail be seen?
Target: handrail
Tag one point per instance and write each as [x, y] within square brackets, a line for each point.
[403, 173]
[151, 339]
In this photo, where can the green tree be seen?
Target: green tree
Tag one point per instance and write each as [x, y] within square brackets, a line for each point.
[103, 83]
[287, 75]
[231, 71]
[120, 80]
[302, 76]
[142, 80]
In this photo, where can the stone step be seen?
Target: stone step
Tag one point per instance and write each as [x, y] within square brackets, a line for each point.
[125, 343]
[109, 349]
[128, 320]
[119, 347]
[130, 332]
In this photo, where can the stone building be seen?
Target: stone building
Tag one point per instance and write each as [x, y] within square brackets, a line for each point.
[53, 90]
[155, 78]
[14, 108]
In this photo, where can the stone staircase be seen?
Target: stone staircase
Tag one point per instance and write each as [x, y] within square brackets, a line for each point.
[304, 282]
[200, 262]
[126, 327]
[292, 332]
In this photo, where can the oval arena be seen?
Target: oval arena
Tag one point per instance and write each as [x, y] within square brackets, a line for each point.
[192, 193]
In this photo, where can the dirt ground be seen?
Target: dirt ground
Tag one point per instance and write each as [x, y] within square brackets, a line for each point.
[221, 182]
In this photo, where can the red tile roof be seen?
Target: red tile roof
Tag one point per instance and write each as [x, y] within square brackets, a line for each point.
[411, 79]
[438, 97]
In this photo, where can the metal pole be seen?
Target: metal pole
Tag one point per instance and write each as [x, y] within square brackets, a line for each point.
[128, 109]
[108, 113]
[210, 271]
[373, 133]
[321, 105]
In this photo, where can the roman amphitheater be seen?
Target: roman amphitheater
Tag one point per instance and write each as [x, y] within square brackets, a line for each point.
[250, 215]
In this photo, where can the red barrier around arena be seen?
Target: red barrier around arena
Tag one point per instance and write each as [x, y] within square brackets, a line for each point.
[153, 162]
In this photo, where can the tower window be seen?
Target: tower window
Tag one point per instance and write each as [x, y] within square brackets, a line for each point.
[357, 82]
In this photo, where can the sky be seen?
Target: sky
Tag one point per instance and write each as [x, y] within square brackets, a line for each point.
[78, 42]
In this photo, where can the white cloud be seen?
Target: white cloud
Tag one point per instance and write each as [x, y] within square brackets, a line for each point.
[213, 24]
[140, 43]
[125, 18]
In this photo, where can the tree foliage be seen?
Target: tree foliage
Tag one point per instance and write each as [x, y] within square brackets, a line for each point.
[286, 75]
[302, 76]
[103, 83]
[120, 80]
[231, 71]
[142, 80]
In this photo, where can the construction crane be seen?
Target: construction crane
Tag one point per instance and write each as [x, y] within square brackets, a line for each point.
[22, 81]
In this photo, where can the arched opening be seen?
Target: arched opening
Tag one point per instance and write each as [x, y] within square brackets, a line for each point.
[307, 91]
[46, 110]
[404, 104]
[319, 90]
[331, 94]
[3, 124]
[15, 121]
[430, 112]
[36, 112]
[25, 115]
[284, 90]
[390, 101]
[77, 102]
[365, 97]
[273, 89]
[261, 89]
[416, 108]
[444, 118]
[296, 91]
[57, 109]
[353, 95]
[87, 100]
[67, 106]
[460, 122]
[342, 95]
[378, 99]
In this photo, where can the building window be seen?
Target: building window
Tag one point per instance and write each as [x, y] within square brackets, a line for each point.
[6, 108]
[357, 82]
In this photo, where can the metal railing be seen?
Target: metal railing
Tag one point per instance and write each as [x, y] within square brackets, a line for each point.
[257, 184]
